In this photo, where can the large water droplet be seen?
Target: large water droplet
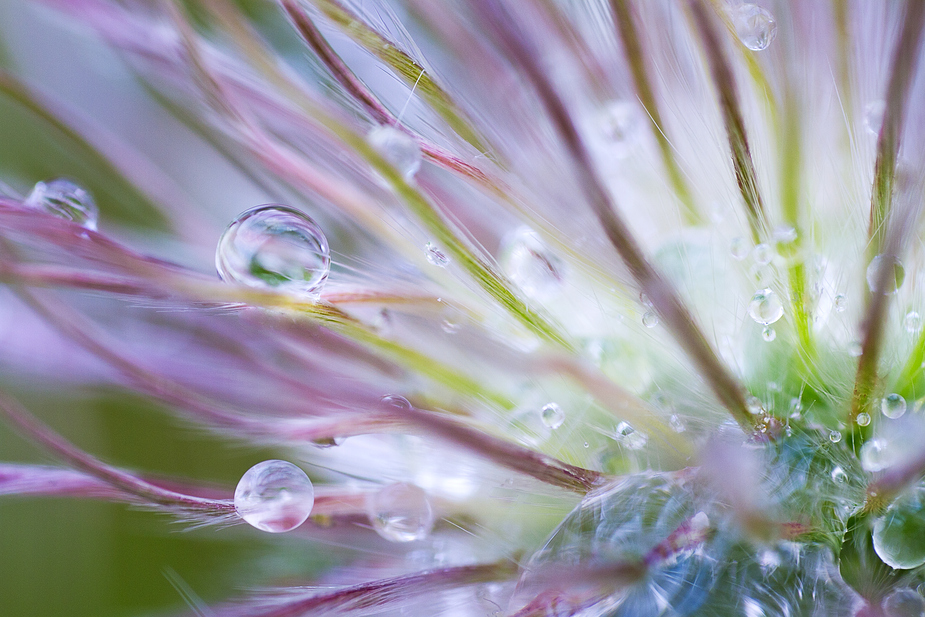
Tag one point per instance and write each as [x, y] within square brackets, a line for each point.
[765, 307]
[630, 437]
[755, 26]
[274, 247]
[894, 279]
[839, 476]
[398, 148]
[435, 256]
[893, 406]
[66, 199]
[904, 602]
[552, 415]
[401, 513]
[899, 535]
[531, 265]
[876, 455]
[395, 400]
[834, 436]
[873, 116]
[274, 496]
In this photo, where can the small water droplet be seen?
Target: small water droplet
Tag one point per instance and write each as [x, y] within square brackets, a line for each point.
[874, 455]
[912, 322]
[904, 602]
[274, 247]
[619, 123]
[753, 404]
[398, 148]
[65, 199]
[739, 248]
[450, 327]
[784, 234]
[435, 256]
[768, 334]
[650, 319]
[630, 437]
[765, 307]
[396, 400]
[552, 415]
[841, 303]
[873, 116]
[676, 424]
[894, 279]
[274, 496]
[531, 264]
[796, 405]
[834, 436]
[863, 419]
[401, 513]
[586, 445]
[763, 254]
[854, 349]
[893, 406]
[839, 476]
[755, 26]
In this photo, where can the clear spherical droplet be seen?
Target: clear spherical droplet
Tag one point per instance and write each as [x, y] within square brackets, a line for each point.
[893, 406]
[630, 437]
[435, 256]
[895, 277]
[274, 496]
[755, 26]
[274, 247]
[739, 248]
[904, 602]
[876, 455]
[398, 148]
[765, 307]
[395, 400]
[763, 254]
[912, 322]
[401, 513]
[65, 199]
[839, 476]
[768, 334]
[841, 303]
[873, 116]
[552, 415]
[899, 535]
[650, 319]
[531, 264]
[863, 419]
[834, 436]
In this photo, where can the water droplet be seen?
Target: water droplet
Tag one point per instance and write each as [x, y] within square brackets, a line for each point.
[834, 436]
[619, 122]
[650, 319]
[401, 513]
[784, 234]
[796, 405]
[531, 265]
[755, 26]
[768, 334]
[839, 476]
[899, 535]
[763, 254]
[274, 247]
[893, 406]
[912, 322]
[863, 419]
[676, 424]
[630, 437]
[876, 455]
[841, 303]
[396, 400]
[904, 602]
[435, 256]
[753, 404]
[739, 248]
[586, 445]
[398, 148]
[854, 349]
[894, 281]
[552, 415]
[873, 116]
[274, 496]
[450, 327]
[765, 307]
[65, 199]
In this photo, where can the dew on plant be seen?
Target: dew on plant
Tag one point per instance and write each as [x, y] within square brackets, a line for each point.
[754, 406]
[834, 436]
[893, 406]
[863, 418]
[532, 265]
[841, 303]
[912, 322]
[855, 349]
[876, 454]
[739, 248]
[398, 148]
[274, 496]
[630, 437]
[65, 199]
[755, 26]
[763, 254]
[873, 116]
[838, 474]
[894, 278]
[435, 256]
[899, 534]
[395, 400]
[676, 423]
[904, 602]
[650, 319]
[401, 512]
[768, 333]
[619, 122]
[552, 415]
[274, 247]
[765, 307]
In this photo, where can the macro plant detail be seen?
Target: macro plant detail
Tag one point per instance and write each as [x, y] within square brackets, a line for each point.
[598, 308]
